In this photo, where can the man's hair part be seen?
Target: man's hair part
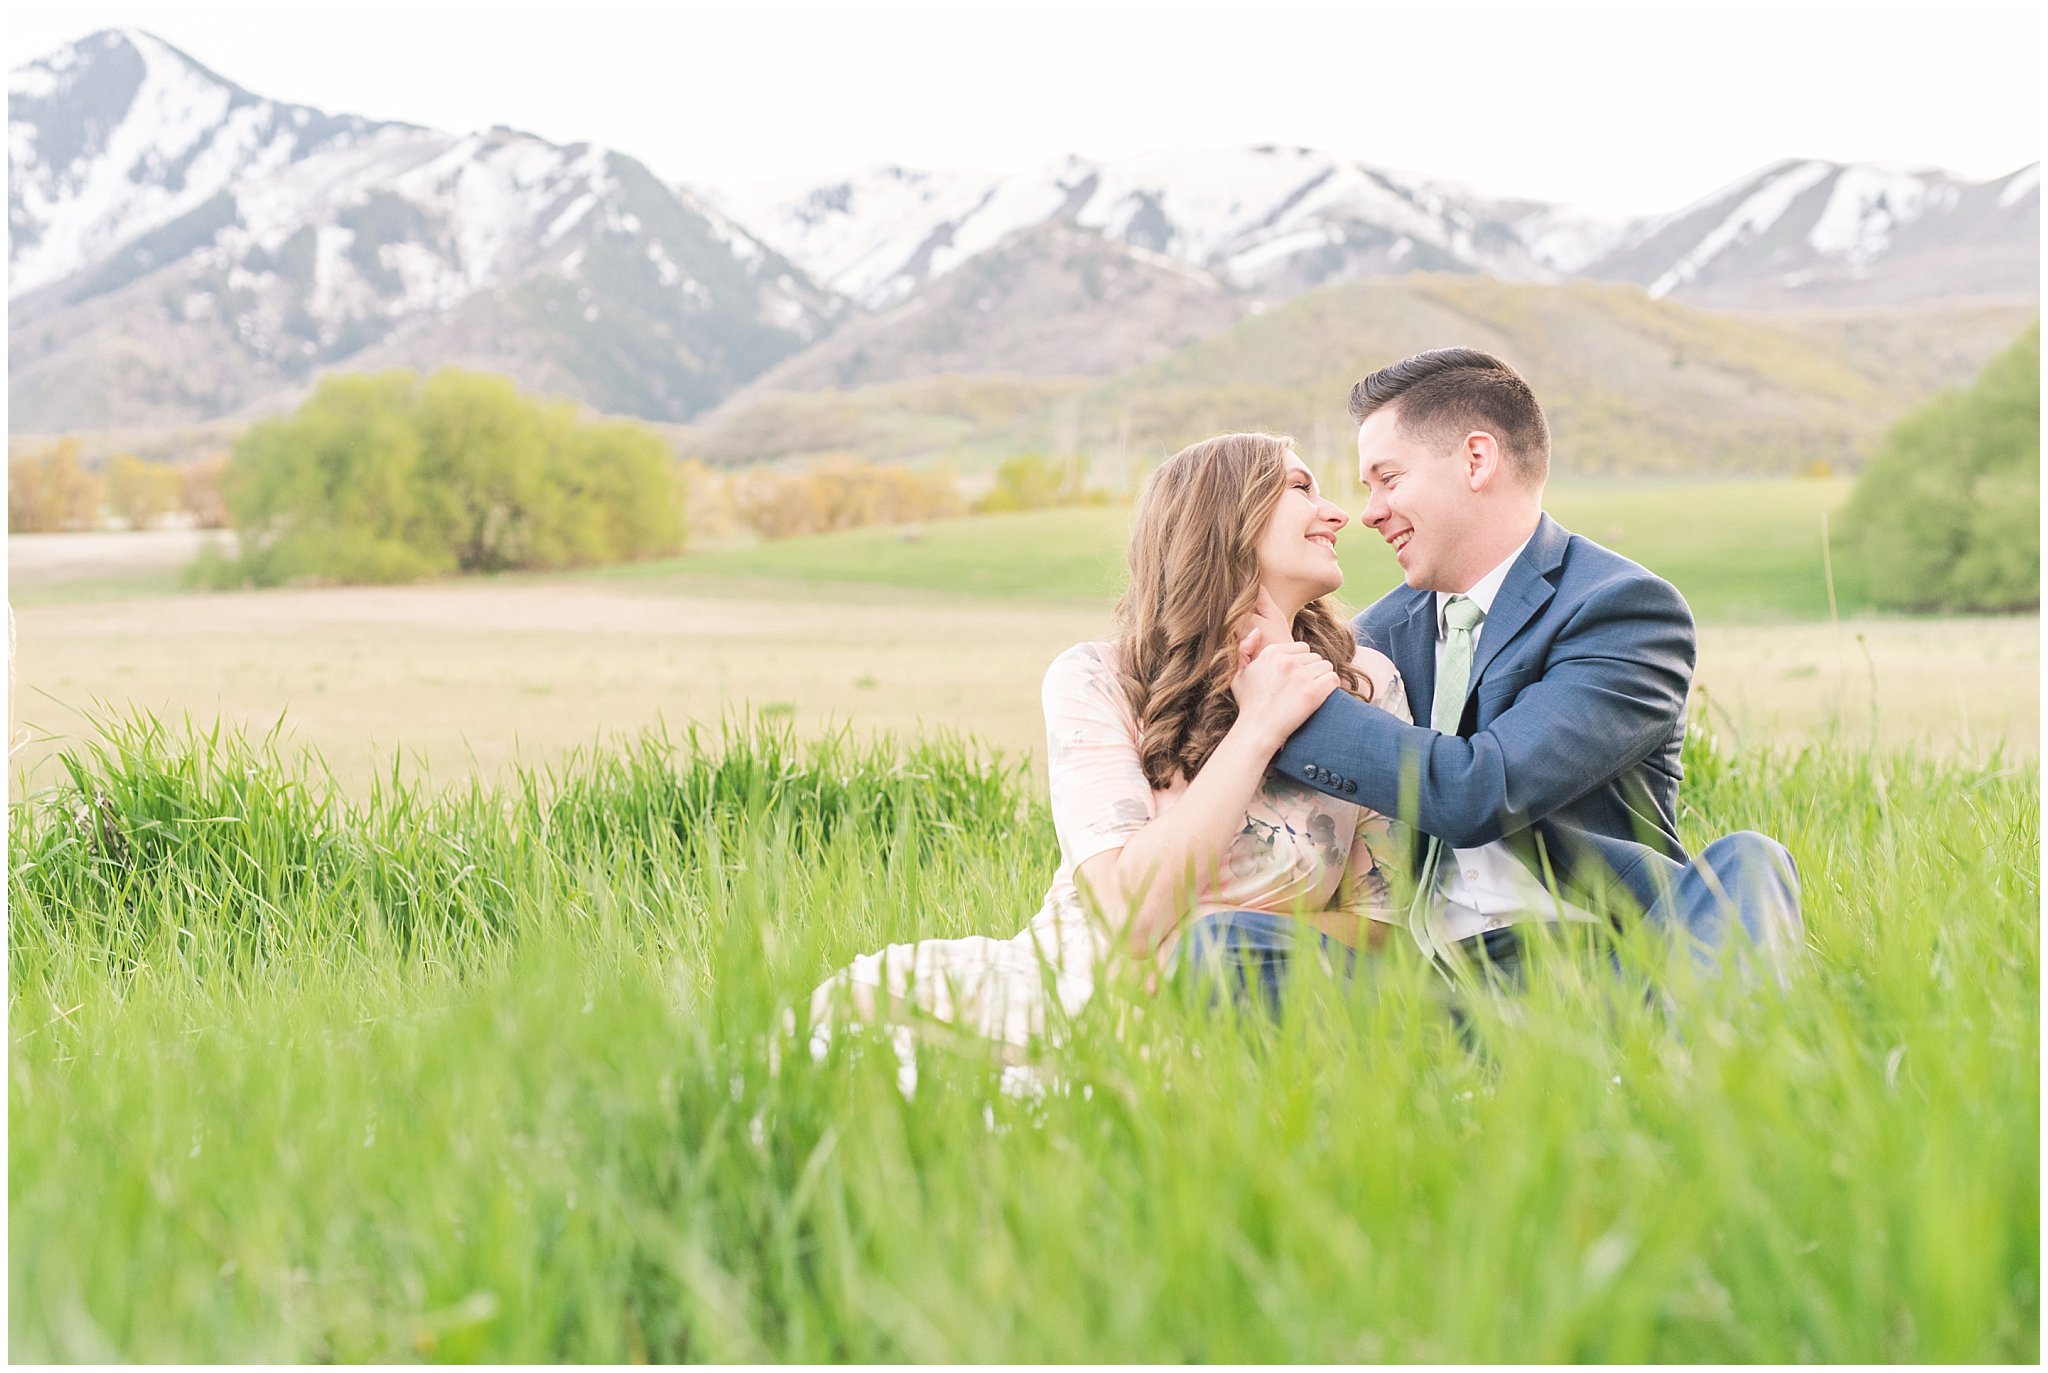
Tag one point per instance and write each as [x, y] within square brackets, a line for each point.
[1446, 393]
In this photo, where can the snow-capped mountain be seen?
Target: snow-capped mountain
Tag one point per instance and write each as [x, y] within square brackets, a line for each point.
[181, 248]
[1829, 233]
[1267, 218]
[1277, 220]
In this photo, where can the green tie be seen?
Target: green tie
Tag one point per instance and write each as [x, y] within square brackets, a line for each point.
[1461, 619]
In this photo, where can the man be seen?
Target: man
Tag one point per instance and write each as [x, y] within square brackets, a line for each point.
[1548, 677]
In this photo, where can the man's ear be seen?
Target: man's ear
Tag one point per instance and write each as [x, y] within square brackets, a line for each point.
[1484, 464]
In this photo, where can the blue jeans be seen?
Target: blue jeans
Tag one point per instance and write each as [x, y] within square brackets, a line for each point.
[1245, 953]
[1738, 898]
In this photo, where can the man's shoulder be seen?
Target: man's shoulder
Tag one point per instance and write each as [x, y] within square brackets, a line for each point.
[1585, 568]
[1390, 609]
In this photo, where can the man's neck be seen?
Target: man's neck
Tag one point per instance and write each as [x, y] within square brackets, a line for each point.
[1511, 540]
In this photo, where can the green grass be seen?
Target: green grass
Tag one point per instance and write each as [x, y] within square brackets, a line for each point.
[494, 1073]
[1741, 551]
[1046, 555]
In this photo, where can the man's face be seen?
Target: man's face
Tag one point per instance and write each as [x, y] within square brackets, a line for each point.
[1420, 500]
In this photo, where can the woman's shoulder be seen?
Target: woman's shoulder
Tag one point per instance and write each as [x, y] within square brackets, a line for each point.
[1086, 665]
[1090, 659]
[1377, 666]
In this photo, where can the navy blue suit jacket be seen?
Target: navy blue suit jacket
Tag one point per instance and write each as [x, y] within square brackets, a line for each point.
[1569, 744]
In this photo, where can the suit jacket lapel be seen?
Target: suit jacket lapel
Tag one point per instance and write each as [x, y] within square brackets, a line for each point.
[1525, 592]
[1414, 653]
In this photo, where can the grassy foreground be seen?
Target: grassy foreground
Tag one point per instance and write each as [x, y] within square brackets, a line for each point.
[495, 1074]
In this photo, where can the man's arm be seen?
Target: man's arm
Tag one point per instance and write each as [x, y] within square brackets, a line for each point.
[1612, 689]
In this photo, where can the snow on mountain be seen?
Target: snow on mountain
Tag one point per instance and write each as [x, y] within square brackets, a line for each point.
[1811, 231]
[857, 235]
[1252, 216]
[186, 248]
[119, 134]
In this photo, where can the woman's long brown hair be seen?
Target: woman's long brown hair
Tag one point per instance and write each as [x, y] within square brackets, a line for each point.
[1194, 582]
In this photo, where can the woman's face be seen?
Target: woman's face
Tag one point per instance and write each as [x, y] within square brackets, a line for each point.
[1298, 550]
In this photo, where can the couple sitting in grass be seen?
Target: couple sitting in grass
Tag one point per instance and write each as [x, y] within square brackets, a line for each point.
[1222, 774]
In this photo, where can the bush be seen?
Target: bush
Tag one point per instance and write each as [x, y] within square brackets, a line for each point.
[1033, 481]
[51, 490]
[389, 478]
[1946, 516]
[199, 491]
[840, 493]
[141, 492]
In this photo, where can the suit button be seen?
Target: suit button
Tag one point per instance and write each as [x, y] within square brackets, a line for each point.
[1309, 771]
[1349, 785]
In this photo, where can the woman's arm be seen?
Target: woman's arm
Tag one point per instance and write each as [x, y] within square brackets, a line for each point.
[1143, 888]
[1364, 903]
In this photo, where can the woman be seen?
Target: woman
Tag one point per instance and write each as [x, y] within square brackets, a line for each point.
[1171, 830]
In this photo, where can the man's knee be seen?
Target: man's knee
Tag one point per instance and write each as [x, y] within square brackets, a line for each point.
[1746, 860]
[1756, 877]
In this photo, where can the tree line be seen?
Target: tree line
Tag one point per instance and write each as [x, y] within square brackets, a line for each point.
[51, 490]
[392, 477]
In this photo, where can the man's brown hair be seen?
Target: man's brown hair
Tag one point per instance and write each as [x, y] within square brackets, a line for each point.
[1446, 393]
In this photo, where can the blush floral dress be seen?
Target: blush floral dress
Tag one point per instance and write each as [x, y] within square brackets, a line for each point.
[1292, 855]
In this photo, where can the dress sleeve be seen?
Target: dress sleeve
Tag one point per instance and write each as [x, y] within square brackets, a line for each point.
[1100, 797]
[1394, 699]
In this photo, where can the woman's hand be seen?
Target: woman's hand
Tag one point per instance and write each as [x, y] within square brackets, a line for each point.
[1278, 686]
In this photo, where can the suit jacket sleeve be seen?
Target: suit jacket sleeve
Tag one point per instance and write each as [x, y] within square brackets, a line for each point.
[1613, 685]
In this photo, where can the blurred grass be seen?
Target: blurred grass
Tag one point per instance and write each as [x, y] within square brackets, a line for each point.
[494, 1074]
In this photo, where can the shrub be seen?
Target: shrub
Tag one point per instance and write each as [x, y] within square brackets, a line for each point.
[389, 478]
[199, 492]
[1033, 481]
[140, 492]
[1946, 516]
[840, 493]
[51, 490]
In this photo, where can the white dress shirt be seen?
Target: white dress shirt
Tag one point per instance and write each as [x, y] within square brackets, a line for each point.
[1484, 888]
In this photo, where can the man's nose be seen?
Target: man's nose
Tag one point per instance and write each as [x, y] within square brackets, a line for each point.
[1375, 511]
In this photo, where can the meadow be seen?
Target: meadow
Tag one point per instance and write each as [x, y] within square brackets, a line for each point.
[486, 1060]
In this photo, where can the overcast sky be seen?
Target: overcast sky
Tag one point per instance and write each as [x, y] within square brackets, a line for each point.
[1630, 107]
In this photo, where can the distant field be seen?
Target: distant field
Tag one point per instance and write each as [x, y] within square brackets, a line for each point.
[945, 627]
[1741, 551]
